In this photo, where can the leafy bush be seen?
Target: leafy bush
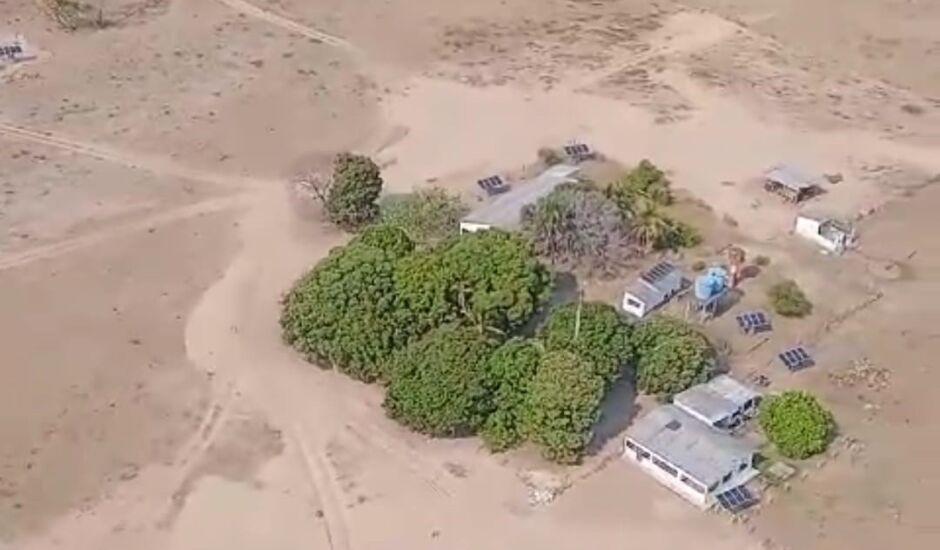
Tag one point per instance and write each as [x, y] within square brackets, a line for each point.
[671, 356]
[353, 191]
[576, 225]
[678, 235]
[490, 279]
[427, 216]
[549, 156]
[389, 239]
[562, 406]
[509, 373]
[437, 385]
[788, 299]
[603, 337]
[344, 313]
[644, 183]
[796, 424]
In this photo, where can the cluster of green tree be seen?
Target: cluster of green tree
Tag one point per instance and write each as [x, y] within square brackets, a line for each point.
[579, 225]
[642, 194]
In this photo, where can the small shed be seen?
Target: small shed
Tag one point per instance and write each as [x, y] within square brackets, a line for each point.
[789, 182]
[688, 456]
[830, 234]
[651, 289]
[14, 49]
[505, 211]
[722, 402]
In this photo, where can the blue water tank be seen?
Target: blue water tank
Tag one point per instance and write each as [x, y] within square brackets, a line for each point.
[711, 283]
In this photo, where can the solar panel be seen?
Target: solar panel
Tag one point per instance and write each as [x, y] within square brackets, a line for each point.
[795, 359]
[737, 499]
[753, 322]
[493, 185]
[578, 151]
[657, 272]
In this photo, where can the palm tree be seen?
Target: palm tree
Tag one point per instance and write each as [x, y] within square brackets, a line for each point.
[649, 225]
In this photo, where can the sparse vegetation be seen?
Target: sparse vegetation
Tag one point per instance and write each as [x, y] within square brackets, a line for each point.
[427, 216]
[549, 157]
[787, 299]
[671, 356]
[699, 265]
[75, 15]
[796, 423]
[577, 226]
[563, 405]
[761, 261]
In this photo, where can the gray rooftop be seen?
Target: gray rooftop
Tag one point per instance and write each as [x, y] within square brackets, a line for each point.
[689, 444]
[789, 176]
[505, 211]
[716, 399]
[653, 284]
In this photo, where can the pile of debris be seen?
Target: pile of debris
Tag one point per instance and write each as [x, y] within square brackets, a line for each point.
[862, 372]
[543, 487]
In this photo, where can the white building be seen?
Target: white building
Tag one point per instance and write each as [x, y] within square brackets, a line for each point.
[831, 235]
[722, 402]
[687, 456]
[505, 211]
[651, 289]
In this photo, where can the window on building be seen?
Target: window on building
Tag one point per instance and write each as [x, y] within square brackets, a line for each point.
[742, 466]
[693, 484]
[633, 303]
[665, 467]
[631, 445]
[727, 477]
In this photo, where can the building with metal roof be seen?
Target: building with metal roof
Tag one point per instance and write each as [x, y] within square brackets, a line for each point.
[688, 456]
[789, 182]
[722, 402]
[505, 211]
[651, 289]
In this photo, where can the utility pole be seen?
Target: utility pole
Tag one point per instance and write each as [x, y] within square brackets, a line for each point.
[577, 316]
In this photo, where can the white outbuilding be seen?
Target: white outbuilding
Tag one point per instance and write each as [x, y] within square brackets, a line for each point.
[722, 402]
[651, 289]
[828, 233]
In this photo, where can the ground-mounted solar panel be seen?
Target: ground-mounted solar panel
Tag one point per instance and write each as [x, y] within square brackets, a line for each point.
[795, 359]
[736, 499]
[493, 185]
[754, 322]
[578, 152]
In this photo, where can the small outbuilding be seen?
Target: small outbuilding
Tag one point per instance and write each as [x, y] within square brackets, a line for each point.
[789, 182]
[828, 233]
[686, 455]
[651, 289]
[723, 403]
[505, 211]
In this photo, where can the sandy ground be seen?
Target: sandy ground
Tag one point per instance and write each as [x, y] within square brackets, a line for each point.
[147, 228]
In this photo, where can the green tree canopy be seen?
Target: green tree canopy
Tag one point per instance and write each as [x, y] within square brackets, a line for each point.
[796, 424]
[427, 216]
[344, 313]
[509, 373]
[603, 338]
[562, 406]
[671, 356]
[437, 385]
[351, 200]
[389, 239]
[788, 299]
[490, 279]
[644, 183]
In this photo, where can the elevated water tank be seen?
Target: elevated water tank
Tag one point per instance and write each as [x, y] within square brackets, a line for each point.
[711, 283]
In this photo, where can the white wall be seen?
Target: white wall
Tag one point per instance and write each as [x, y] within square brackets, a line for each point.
[809, 228]
[473, 227]
[674, 483]
[638, 311]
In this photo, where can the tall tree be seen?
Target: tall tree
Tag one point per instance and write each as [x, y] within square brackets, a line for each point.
[428, 216]
[351, 201]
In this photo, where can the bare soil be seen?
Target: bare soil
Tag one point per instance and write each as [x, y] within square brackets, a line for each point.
[148, 228]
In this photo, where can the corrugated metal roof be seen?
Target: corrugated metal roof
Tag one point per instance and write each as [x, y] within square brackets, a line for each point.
[505, 211]
[789, 176]
[689, 444]
[716, 399]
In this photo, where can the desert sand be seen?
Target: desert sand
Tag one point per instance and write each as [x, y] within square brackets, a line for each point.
[148, 226]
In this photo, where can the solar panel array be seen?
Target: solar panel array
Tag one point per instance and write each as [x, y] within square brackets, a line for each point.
[657, 272]
[737, 499]
[11, 51]
[578, 151]
[493, 185]
[754, 322]
[795, 359]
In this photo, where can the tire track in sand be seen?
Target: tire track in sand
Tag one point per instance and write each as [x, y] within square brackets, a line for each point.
[323, 482]
[251, 10]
